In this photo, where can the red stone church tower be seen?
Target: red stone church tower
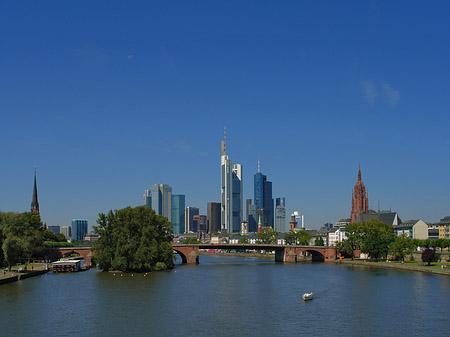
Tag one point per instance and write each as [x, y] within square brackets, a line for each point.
[34, 202]
[360, 203]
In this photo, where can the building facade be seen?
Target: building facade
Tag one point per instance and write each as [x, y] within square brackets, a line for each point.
[178, 213]
[162, 200]
[67, 232]
[263, 198]
[280, 215]
[201, 221]
[213, 215]
[360, 202]
[55, 229]
[444, 228]
[79, 229]
[231, 191]
[414, 229]
[190, 224]
[148, 198]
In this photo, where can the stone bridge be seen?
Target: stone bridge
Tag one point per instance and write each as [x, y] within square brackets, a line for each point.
[56, 253]
[283, 253]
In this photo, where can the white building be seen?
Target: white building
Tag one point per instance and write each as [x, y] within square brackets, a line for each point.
[415, 229]
[335, 235]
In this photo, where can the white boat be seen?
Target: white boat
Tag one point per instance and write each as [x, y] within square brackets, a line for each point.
[307, 296]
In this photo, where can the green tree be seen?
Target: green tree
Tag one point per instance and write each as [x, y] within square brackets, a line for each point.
[319, 241]
[345, 247]
[354, 233]
[267, 236]
[428, 255]
[133, 239]
[191, 241]
[243, 240]
[402, 246]
[300, 237]
[376, 238]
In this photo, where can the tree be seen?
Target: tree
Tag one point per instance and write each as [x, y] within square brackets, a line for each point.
[402, 246]
[191, 241]
[133, 239]
[354, 238]
[299, 237]
[267, 236]
[376, 238]
[428, 255]
[345, 247]
[319, 241]
[243, 240]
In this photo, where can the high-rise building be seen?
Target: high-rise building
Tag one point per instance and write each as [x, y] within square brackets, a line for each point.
[251, 216]
[201, 221]
[280, 215]
[148, 198]
[79, 229]
[360, 202]
[55, 229]
[190, 224]
[263, 198]
[66, 231]
[178, 216]
[162, 200]
[213, 215]
[231, 192]
[34, 201]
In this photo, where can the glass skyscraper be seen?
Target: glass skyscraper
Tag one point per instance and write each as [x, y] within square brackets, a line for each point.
[148, 198]
[178, 209]
[280, 216]
[79, 229]
[162, 200]
[263, 198]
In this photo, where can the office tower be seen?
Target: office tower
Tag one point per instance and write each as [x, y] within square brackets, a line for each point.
[201, 223]
[66, 231]
[148, 198]
[55, 229]
[213, 215]
[34, 201]
[79, 229]
[231, 192]
[178, 209]
[162, 200]
[263, 198]
[190, 224]
[251, 218]
[280, 215]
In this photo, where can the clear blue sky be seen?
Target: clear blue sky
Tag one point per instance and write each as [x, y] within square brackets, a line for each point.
[108, 98]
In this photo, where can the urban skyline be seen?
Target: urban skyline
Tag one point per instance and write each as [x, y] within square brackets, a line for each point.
[312, 90]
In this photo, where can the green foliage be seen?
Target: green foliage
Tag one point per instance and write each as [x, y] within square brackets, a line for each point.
[133, 239]
[345, 248]
[191, 241]
[53, 244]
[319, 241]
[402, 246]
[243, 240]
[428, 255]
[300, 237]
[267, 236]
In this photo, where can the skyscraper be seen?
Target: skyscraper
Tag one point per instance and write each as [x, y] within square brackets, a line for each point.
[79, 229]
[231, 192]
[148, 198]
[162, 200]
[360, 202]
[280, 215]
[213, 214]
[263, 198]
[190, 224]
[178, 209]
[34, 201]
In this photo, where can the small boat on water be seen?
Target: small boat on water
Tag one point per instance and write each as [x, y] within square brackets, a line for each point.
[307, 296]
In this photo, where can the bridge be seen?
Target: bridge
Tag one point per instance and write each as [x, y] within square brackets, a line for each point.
[283, 253]
[190, 252]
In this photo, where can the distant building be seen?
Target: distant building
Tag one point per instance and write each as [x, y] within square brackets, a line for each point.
[55, 229]
[444, 228]
[178, 213]
[91, 237]
[415, 229]
[263, 198]
[360, 202]
[162, 200]
[343, 222]
[79, 229]
[213, 215]
[335, 235]
[190, 224]
[280, 215]
[252, 216]
[148, 198]
[34, 201]
[388, 217]
[201, 223]
[231, 192]
[67, 232]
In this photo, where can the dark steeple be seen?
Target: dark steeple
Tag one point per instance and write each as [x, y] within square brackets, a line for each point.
[34, 202]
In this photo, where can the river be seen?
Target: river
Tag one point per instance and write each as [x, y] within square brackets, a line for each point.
[229, 296]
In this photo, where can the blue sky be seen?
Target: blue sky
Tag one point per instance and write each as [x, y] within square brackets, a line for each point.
[108, 98]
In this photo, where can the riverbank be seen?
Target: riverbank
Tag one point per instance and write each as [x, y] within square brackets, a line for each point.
[423, 269]
[17, 276]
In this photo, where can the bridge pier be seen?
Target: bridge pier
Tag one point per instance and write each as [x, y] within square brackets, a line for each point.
[189, 254]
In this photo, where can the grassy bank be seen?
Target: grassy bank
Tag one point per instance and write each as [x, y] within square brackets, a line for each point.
[434, 268]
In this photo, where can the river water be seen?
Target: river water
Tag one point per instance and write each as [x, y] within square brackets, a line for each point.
[229, 296]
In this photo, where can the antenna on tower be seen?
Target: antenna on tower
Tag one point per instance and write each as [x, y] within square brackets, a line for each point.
[378, 206]
[259, 165]
[225, 137]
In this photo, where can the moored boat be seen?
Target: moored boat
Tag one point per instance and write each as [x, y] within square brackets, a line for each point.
[307, 296]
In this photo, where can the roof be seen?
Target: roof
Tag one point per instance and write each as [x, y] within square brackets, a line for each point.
[387, 218]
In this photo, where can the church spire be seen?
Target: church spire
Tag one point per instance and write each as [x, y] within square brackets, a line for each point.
[359, 172]
[34, 202]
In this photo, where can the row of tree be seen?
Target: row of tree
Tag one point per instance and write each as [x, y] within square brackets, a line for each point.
[378, 240]
[22, 237]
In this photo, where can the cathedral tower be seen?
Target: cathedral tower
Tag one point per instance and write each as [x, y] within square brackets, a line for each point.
[360, 203]
[34, 202]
